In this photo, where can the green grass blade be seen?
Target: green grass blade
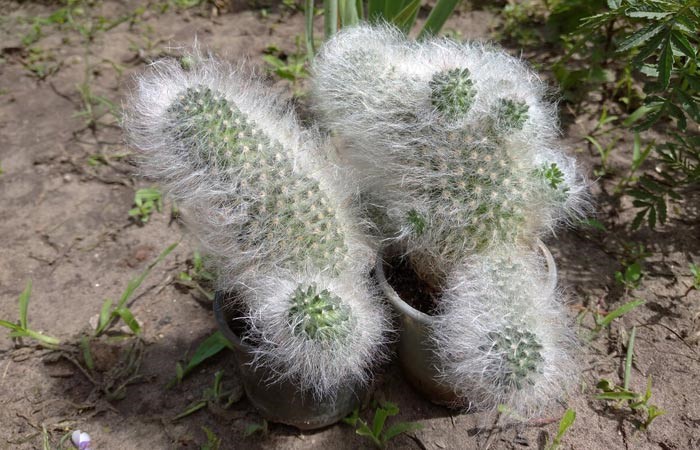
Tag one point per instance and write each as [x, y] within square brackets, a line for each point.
[348, 13]
[48, 340]
[622, 310]
[87, 354]
[437, 18]
[617, 396]
[375, 10]
[24, 304]
[10, 325]
[405, 19]
[105, 316]
[309, 15]
[398, 428]
[128, 319]
[136, 282]
[566, 421]
[191, 409]
[628, 359]
[330, 17]
[208, 348]
[392, 8]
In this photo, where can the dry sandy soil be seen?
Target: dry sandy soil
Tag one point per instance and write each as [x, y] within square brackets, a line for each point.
[64, 224]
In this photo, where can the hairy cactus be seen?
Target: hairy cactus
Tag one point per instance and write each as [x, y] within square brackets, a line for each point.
[321, 333]
[253, 184]
[456, 142]
[318, 314]
[256, 191]
[501, 334]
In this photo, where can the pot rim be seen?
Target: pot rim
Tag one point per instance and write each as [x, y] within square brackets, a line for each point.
[419, 316]
[223, 323]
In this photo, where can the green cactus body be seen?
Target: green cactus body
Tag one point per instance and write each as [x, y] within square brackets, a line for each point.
[511, 114]
[452, 92]
[318, 315]
[284, 207]
[482, 192]
[520, 357]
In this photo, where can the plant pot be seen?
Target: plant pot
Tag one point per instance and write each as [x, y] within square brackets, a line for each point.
[416, 347]
[281, 402]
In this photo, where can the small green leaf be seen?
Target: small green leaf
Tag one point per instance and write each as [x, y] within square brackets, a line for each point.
[128, 318]
[87, 355]
[641, 36]
[680, 42]
[665, 65]
[622, 310]
[24, 305]
[105, 316]
[567, 421]
[399, 428]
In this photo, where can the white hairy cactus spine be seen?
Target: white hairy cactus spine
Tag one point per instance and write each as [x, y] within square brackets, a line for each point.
[257, 192]
[502, 336]
[321, 333]
[254, 186]
[455, 143]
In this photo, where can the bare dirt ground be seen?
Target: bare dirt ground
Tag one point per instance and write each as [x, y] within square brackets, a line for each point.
[65, 192]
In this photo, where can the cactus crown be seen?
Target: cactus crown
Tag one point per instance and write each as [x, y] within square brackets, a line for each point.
[283, 206]
[519, 353]
[320, 316]
[511, 114]
[452, 92]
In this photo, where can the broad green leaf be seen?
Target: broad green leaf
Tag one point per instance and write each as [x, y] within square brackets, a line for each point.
[665, 64]
[614, 4]
[437, 17]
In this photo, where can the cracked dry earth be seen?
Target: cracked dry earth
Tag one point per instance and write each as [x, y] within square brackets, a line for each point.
[64, 224]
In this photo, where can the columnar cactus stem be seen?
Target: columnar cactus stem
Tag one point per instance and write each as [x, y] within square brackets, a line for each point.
[282, 205]
[501, 334]
[256, 190]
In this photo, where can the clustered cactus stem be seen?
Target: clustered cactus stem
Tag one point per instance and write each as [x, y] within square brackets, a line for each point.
[454, 149]
[455, 155]
[457, 150]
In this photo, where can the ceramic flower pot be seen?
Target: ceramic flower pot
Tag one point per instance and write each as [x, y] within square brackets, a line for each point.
[280, 402]
[416, 349]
